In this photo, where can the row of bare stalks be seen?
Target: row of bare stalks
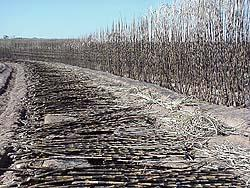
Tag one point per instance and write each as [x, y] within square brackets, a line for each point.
[195, 47]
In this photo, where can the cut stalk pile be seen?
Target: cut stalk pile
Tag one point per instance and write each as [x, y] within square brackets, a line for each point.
[101, 143]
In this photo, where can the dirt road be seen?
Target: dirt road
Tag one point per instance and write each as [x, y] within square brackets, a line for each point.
[12, 93]
[77, 130]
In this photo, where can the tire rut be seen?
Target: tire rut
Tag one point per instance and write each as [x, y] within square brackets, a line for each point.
[10, 108]
[7, 77]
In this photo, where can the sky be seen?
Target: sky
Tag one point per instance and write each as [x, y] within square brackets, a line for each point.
[67, 18]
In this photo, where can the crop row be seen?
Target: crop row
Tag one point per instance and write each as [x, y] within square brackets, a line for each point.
[198, 48]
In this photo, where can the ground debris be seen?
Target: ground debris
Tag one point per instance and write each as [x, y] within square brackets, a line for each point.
[78, 135]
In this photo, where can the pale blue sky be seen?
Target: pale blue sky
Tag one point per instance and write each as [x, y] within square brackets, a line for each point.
[66, 18]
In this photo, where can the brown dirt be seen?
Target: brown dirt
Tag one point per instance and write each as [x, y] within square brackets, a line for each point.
[14, 96]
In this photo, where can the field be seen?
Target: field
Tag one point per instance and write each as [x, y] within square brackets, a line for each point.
[161, 102]
[80, 127]
[200, 49]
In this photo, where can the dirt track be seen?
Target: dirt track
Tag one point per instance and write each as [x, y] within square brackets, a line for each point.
[76, 133]
[12, 95]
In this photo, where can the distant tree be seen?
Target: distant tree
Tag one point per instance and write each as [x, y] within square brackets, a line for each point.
[5, 37]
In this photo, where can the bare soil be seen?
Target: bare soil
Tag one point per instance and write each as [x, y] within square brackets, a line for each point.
[10, 108]
[10, 103]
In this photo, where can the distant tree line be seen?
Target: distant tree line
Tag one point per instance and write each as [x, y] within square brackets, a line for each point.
[195, 47]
